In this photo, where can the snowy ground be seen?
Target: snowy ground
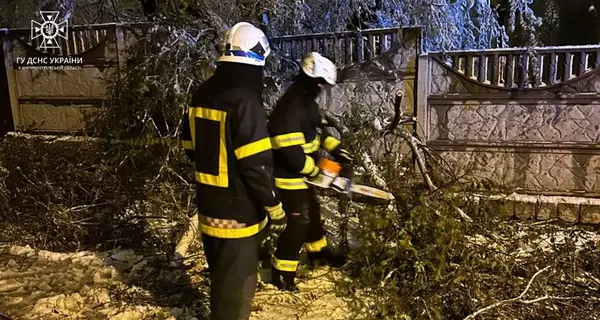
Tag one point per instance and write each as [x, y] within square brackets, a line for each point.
[121, 285]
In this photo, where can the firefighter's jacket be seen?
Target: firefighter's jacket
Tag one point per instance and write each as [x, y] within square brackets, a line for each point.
[297, 133]
[225, 134]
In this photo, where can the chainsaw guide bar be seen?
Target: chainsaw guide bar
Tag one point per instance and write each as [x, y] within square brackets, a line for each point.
[358, 192]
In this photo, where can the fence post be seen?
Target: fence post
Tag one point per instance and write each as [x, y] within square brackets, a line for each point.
[510, 71]
[568, 70]
[482, 64]
[422, 87]
[11, 78]
[552, 69]
[582, 63]
[524, 66]
[120, 39]
[360, 48]
[347, 49]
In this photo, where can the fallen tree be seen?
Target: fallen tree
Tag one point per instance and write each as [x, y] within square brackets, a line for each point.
[72, 195]
[427, 258]
[431, 255]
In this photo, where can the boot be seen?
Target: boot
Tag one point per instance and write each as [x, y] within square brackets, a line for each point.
[264, 257]
[284, 280]
[326, 257]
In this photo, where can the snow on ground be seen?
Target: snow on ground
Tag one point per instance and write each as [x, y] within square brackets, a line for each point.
[46, 285]
[123, 285]
[120, 285]
[315, 301]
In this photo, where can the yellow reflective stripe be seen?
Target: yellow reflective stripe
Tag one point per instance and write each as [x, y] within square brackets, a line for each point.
[188, 145]
[312, 146]
[211, 180]
[288, 140]
[316, 246]
[222, 179]
[290, 184]
[285, 265]
[309, 165]
[234, 233]
[253, 148]
[276, 212]
[330, 143]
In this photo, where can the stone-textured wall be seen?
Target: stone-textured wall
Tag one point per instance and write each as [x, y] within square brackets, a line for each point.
[373, 84]
[541, 140]
[50, 101]
[534, 140]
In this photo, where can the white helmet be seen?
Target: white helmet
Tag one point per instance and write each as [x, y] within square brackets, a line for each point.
[245, 43]
[317, 66]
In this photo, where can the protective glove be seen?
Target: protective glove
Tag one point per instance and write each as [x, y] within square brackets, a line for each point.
[344, 157]
[317, 158]
[347, 170]
[278, 220]
[315, 172]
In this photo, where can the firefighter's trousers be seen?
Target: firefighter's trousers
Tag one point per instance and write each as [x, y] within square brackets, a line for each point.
[233, 274]
[303, 228]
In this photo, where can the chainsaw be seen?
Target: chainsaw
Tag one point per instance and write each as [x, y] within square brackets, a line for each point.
[331, 176]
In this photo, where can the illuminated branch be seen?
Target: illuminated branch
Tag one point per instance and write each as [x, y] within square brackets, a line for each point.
[518, 299]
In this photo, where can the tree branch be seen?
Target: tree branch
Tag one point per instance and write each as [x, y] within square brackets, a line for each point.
[191, 233]
[413, 143]
[398, 113]
[517, 299]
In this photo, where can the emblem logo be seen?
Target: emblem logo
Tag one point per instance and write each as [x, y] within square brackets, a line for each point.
[50, 30]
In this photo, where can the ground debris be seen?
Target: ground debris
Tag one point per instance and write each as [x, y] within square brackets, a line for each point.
[123, 285]
[49, 285]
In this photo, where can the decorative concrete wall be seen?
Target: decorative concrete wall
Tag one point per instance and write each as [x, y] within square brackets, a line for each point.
[528, 120]
[524, 120]
[60, 100]
[373, 84]
[538, 131]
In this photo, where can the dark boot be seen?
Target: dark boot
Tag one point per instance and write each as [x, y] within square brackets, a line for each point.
[284, 280]
[326, 257]
[264, 257]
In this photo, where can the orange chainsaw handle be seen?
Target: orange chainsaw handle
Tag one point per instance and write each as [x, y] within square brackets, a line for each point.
[329, 166]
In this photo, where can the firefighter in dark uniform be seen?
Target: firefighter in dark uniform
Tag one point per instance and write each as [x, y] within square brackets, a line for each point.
[297, 133]
[225, 134]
